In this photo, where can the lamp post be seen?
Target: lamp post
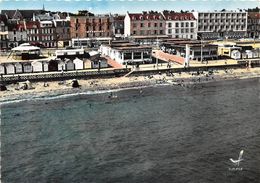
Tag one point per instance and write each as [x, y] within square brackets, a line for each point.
[157, 48]
[201, 52]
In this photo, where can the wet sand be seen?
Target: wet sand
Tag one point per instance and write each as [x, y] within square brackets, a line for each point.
[58, 88]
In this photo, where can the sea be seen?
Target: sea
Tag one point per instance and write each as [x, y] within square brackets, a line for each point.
[159, 134]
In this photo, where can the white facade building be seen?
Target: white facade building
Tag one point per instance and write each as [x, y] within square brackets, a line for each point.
[127, 53]
[180, 25]
[222, 24]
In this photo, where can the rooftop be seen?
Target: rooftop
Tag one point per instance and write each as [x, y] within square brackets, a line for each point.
[178, 16]
[146, 16]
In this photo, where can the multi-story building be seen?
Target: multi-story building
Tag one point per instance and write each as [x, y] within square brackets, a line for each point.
[41, 33]
[180, 25]
[47, 34]
[144, 24]
[253, 25]
[17, 34]
[62, 29]
[118, 26]
[88, 25]
[224, 24]
[3, 32]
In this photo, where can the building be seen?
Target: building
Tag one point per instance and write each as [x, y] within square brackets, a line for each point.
[253, 25]
[88, 25]
[62, 30]
[180, 25]
[17, 34]
[118, 26]
[71, 54]
[17, 15]
[3, 32]
[125, 52]
[41, 33]
[144, 24]
[24, 59]
[221, 25]
[238, 49]
[197, 49]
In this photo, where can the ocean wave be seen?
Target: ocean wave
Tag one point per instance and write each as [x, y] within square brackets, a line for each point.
[55, 96]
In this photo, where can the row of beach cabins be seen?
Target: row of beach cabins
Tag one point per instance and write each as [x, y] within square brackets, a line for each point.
[28, 59]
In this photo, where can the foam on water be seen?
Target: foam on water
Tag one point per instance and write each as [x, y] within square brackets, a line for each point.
[54, 96]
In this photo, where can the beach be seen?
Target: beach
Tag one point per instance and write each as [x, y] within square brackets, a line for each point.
[162, 133]
[53, 88]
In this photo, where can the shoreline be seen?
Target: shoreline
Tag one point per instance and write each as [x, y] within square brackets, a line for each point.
[95, 86]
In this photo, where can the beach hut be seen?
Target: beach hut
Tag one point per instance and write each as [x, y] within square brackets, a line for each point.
[53, 65]
[37, 66]
[87, 64]
[2, 69]
[235, 54]
[249, 54]
[18, 68]
[10, 69]
[61, 65]
[99, 63]
[79, 64]
[27, 67]
[70, 65]
[45, 66]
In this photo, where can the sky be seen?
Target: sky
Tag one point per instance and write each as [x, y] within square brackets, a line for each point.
[122, 6]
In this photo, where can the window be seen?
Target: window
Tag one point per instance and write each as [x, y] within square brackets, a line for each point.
[155, 24]
[137, 55]
[177, 30]
[182, 30]
[192, 24]
[169, 31]
[160, 24]
[161, 31]
[187, 24]
[134, 24]
[169, 24]
[141, 24]
[191, 36]
[149, 24]
[191, 30]
[182, 24]
[187, 30]
[134, 32]
[176, 24]
[155, 31]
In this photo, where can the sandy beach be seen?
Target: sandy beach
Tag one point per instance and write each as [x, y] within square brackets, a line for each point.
[181, 79]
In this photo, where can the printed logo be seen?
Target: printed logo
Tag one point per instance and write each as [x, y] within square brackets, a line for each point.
[237, 162]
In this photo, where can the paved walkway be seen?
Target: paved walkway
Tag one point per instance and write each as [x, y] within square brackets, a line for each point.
[113, 63]
[168, 57]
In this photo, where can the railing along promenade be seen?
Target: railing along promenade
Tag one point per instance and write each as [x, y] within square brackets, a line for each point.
[48, 76]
